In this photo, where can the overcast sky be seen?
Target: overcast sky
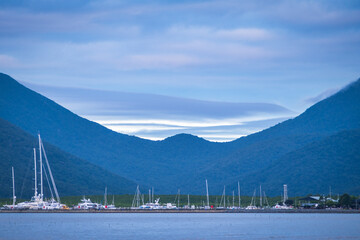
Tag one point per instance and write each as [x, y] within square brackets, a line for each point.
[278, 57]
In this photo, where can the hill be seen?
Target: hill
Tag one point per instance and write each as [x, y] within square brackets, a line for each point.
[144, 161]
[259, 151]
[73, 176]
[331, 162]
[182, 161]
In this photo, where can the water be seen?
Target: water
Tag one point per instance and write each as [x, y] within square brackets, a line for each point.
[178, 226]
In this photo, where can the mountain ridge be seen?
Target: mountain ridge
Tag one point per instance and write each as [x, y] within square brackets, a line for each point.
[71, 174]
[339, 151]
[181, 161]
[262, 149]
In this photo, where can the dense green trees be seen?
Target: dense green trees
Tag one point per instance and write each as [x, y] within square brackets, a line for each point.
[345, 201]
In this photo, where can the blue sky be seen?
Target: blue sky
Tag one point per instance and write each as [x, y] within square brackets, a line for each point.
[169, 55]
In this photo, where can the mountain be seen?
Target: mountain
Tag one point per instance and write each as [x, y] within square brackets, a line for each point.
[73, 176]
[144, 161]
[259, 151]
[331, 162]
[182, 161]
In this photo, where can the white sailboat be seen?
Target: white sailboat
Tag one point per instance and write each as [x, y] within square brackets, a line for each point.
[261, 201]
[188, 206]
[207, 196]
[136, 200]
[13, 205]
[106, 206]
[37, 201]
[233, 201]
[239, 195]
[222, 204]
[283, 205]
[112, 205]
[252, 205]
[266, 201]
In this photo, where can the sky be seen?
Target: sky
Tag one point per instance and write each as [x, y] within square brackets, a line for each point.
[216, 69]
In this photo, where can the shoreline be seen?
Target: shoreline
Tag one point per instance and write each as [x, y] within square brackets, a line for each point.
[310, 211]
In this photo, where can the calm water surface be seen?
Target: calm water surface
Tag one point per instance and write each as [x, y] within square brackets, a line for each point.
[178, 226]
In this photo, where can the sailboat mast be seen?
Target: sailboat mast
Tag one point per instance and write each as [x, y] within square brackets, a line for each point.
[41, 171]
[150, 201]
[260, 197]
[239, 194]
[49, 170]
[137, 196]
[13, 183]
[233, 199]
[253, 201]
[152, 194]
[224, 197]
[35, 188]
[265, 200]
[285, 193]
[207, 193]
[105, 197]
[188, 200]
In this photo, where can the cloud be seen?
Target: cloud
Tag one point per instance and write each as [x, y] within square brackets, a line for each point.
[230, 34]
[315, 13]
[22, 21]
[97, 102]
[157, 117]
[266, 51]
[322, 96]
[127, 55]
[214, 131]
[7, 61]
[159, 61]
[245, 33]
[28, 23]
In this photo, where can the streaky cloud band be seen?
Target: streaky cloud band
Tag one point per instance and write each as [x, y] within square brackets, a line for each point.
[157, 117]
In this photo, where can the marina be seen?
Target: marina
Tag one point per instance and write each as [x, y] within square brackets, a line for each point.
[39, 204]
[215, 211]
[38, 201]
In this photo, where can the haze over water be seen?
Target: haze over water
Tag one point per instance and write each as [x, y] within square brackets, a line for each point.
[179, 226]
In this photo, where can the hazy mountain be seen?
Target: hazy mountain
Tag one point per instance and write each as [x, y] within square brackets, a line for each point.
[333, 162]
[144, 161]
[73, 176]
[182, 161]
[261, 150]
